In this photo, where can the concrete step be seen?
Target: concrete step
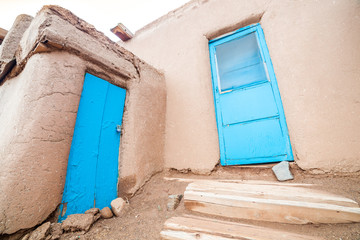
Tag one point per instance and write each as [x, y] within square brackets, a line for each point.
[269, 202]
[193, 227]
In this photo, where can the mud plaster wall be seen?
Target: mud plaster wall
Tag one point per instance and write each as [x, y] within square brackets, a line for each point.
[38, 107]
[37, 114]
[142, 142]
[315, 50]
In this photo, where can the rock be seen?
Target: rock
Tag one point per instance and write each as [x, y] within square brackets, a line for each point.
[93, 211]
[41, 232]
[12, 39]
[78, 222]
[106, 213]
[26, 237]
[117, 205]
[282, 171]
[174, 201]
[55, 231]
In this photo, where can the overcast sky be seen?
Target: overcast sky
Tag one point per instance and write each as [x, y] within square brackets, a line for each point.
[103, 14]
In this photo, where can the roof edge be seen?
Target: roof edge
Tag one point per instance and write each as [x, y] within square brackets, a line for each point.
[172, 14]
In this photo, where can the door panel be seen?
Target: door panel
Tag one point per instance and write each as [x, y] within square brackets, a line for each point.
[262, 138]
[250, 118]
[107, 168]
[248, 104]
[91, 178]
[84, 148]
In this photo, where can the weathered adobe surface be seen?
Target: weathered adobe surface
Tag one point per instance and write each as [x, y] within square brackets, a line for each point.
[38, 117]
[38, 105]
[12, 39]
[50, 31]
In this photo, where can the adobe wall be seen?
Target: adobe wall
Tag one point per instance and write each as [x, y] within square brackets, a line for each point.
[315, 50]
[38, 106]
[38, 112]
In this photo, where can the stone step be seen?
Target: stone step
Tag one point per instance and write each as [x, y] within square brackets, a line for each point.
[193, 227]
[270, 202]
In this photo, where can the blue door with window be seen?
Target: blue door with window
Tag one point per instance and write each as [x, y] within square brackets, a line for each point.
[92, 172]
[250, 117]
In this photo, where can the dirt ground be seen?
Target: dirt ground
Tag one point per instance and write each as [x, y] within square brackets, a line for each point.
[146, 212]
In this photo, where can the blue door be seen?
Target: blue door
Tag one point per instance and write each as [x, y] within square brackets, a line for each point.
[249, 113]
[92, 172]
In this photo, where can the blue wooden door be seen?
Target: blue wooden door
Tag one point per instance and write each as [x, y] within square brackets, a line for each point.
[92, 172]
[250, 117]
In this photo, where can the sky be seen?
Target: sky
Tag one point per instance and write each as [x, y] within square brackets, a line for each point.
[103, 14]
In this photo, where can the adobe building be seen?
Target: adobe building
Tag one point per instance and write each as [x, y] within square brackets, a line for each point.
[315, 55]
[182, 105]
[47, 63]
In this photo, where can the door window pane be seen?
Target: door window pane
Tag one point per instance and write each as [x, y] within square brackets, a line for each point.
[239, 63]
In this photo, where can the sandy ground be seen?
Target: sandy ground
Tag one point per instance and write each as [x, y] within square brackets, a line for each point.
[144, 216]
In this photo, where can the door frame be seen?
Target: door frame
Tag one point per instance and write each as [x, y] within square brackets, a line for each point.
[271, 74]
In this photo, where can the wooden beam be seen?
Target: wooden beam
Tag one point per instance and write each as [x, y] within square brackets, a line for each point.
[190, 180]
[122, 32]
[193, 227]
[286, 204]
[271, 192]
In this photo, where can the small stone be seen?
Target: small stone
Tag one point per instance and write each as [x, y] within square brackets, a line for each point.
[117, 205]
[55, 231]
[282, 171]
[41, 232]
[106, 213]
[77, 222]
[92, 211]
[173, 201]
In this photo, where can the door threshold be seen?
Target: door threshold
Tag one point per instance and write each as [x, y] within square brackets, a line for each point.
[261, 165]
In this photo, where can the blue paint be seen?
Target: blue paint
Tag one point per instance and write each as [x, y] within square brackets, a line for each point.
[92, 171]
[250, 117]
[248, 107]
[107, 166]
[262, 138]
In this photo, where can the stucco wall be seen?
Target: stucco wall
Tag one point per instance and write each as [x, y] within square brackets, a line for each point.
[315, 50]
[142, 144]
[38, 108]
[37, 114]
